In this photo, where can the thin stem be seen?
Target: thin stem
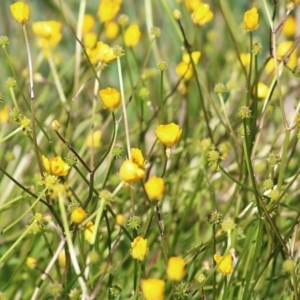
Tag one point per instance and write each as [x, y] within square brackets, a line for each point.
[11, 134]
[124, 107]
[283, 159]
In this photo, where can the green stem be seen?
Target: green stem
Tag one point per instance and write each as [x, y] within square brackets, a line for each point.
[11, 134]
[124, 107]
[283, 159]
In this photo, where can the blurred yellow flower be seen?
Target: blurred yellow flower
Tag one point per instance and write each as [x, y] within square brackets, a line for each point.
[132, 35]
[262, 90]
[168, 134]
[176, 268]
[202, 14]
[284, 49]
[137, 157]
[270, 66]
[87, 24]
[4, 115]
[120, 220]
[192, 5]
[90, 40]
[184, 68]
[155, 188]
[251, 19]
[78, 215]
[104, 53]
[111, 30]
[110, 98]
[139, 248]
[130, 172]
[289, 27]
[20, 12]
[89, 231]
[93, 140]
[295, 1]
[49, 33]
[195, 57]
[245, 58]
[31, 262]
[225, 263]
[108, 9]
[62, 259]
[153, 289]
[55, 166]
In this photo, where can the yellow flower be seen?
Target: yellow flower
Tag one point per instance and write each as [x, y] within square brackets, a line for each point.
[120, 220]
[251, 19]
[111, 30]
[185, 70]
[176, 268]
[195, 57]
[93, 140]
[262, 90]
[192, 5]
[132, 35]
[87, 24]
[78, 215]
[108, 9]
[130, 172]
[245, 58]
[49, 33]
[90, 40]
[110, 98]
[284, 49]
[153, 289]
[270, 66]
[225, 263]
[290, 26]
[31, 262]
[139, 248]
[62, 259]
[168, 134]
[137, 157]
[89, 231]
[155, 188]
[202, 14]
[4, 116]
[20, 12]
[104, 53]
[55, 166]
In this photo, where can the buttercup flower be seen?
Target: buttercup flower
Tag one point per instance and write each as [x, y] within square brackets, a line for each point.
[130, 172]
[155, 188]
[192, 5]
[251, 19]
[202, 14]
[262, 90]
[49, 33]
[110, 98]
[20, 12]
[225, 266]
[137, 157]
[88, 231]
[108, 9]
[90, 40]
[93, 140]
[132, 35]
[111, 30]
[284, 49]
[176, 268]
[4, 115]
[104, 53]
[245, 58]
[120, 220]
[289, 27]
[168, 134]
[139, 248]
[153, 289]
[55, 166]
[78, 215]
[87, 24]
[184, 68]
[62, 259]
